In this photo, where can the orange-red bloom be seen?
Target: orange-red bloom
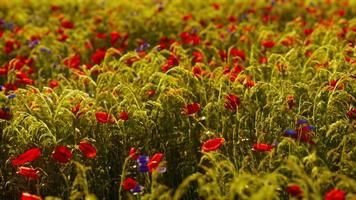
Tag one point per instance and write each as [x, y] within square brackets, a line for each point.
[262, 147]
[237, 53]
[154, 161]
[212, 144]
[28, 156]
[190, 109]
[352, 113]
[232, 102]
[133, 154]
[268, 43]
[73, 62]
[104, 117]
[67, 24]
[129, 183]
[87, 149]
[294, 190]
[28, 172]
[335, 194]
[28, 196]
[98, 56]
[53, 84]
[62, 154]
[5, 115]
[124, 116]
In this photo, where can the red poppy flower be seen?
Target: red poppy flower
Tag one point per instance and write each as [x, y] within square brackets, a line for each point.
[288, 41]
[268, 43]
[28, 196]
[232, 102]
[63, 37]
[308, 31]
[237, 69]
[190, 109]
[237, 53]
[10, 86]
[308, 53]
[341, 12]
[197, 71]
[114, 37]
[28, 156]
[100, 36]
[87, 149]
[104, 117]
[212, 144]
[262, 147]
[294, 190]
[53, 84]
[195, 39]
[129, 183]
[232, 19]
[124, 116]
[263, 60]
[250, 83]
[335, 194]
[3, 70]
[216, 6]
[187, 17]
[151, 93]
[21, 75]
[28, 172]
[26, 81]
[62, 154]
[9, 46]
[73, 62]
[55, 8]
[185, 37]
[198, 56]
[223, 55]
[351, 114]
[75, 109]
[335, 84]
[98, 56]
[5, 115]
[67, 24]
[133, 154]
[154, 161]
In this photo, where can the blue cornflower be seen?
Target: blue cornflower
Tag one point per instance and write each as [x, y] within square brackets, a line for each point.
[142, 47]
[137, 189]
[9, 26]
[290, 132]
[143, 168]
[11, 96]
[194, 31]
[142, 163]
[45, 50]
[311, 128]
[33, 43]
[302, 121]
[142, 159]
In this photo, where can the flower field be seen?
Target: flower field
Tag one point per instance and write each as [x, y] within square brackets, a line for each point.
[178, 99]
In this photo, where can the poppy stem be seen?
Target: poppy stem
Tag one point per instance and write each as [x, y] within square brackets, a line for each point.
[123, 176]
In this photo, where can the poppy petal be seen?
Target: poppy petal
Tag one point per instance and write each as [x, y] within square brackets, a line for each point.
[212, 144]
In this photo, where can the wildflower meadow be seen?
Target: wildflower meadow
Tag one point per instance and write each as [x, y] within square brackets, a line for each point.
[178, 99]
